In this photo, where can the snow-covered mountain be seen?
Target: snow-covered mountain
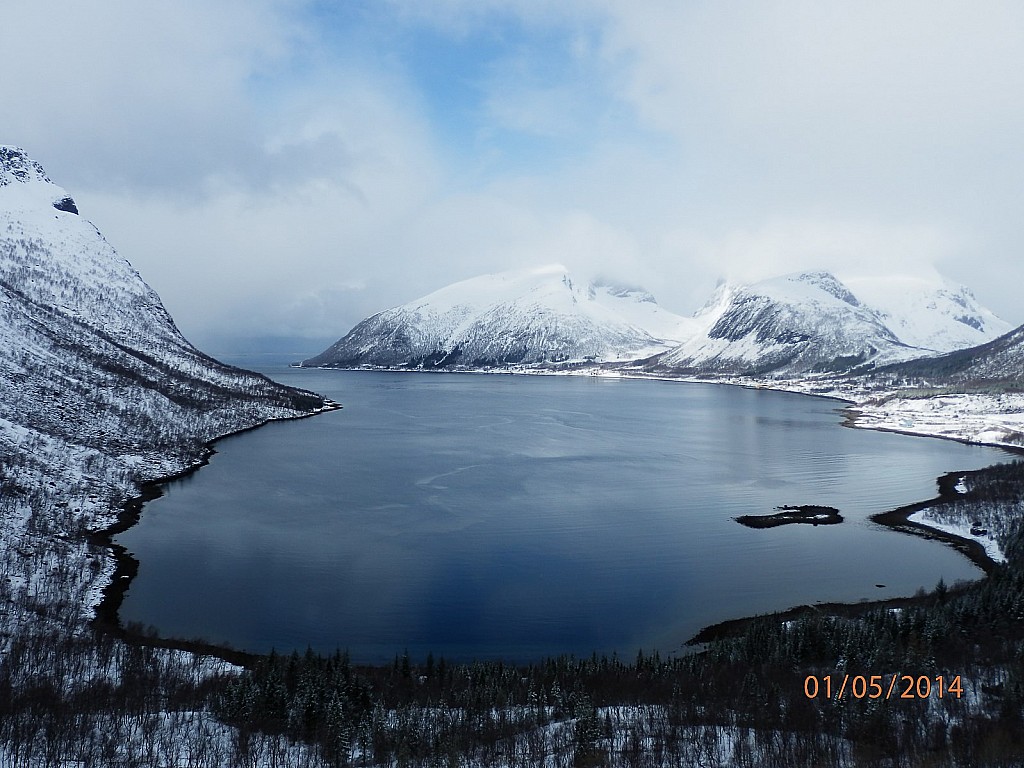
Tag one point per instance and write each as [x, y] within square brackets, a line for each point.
[931, 313]
[998, 362]
[85, 343]
[99, 392]
[528, 317]
[803, 322]
[806, 322]
[813, 322]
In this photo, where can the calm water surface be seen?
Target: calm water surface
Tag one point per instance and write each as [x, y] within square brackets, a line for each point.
[486, 516]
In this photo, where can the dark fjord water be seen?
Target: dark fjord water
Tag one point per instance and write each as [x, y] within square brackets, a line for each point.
[515, 517]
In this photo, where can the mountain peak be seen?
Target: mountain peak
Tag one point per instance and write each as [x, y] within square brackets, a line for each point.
[528, 317]
[17, 166]
[812, 321]
[621, 290]
[546, 269]
[828, 283]
[17, 169]
[929, 311]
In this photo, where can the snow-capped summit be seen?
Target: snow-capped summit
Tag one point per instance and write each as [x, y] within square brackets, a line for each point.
[808, 321]
[931, 313]
[813, 321]
[58, 259]
[17, 166]
[528, 317]
[29, 183]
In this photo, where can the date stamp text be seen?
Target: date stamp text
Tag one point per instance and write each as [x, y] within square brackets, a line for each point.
[894, 686]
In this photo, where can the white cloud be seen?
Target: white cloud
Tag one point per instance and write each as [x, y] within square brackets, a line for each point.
[854, 248]
[267, 175]
[140, 94]
[852, 102]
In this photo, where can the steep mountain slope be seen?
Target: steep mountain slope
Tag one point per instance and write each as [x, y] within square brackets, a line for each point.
[786, 325]
[87, 345]
[531, 317]
[929, 313]
[998, 363]
[100, 391]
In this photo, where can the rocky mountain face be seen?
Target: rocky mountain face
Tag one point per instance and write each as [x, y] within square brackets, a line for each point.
[796, 323]
[813, 322]
[533, 318]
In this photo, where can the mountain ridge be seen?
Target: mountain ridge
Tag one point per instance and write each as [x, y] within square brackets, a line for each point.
[997, 362]
[523, 317]
[808, 322]
[803, 322]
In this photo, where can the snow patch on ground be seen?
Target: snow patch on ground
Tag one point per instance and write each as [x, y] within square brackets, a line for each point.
[974, 418]
[926, 517]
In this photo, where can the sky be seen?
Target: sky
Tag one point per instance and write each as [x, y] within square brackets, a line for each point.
[280, 169]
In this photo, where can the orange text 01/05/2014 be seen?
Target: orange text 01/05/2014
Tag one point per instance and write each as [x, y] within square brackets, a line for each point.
[882, 686]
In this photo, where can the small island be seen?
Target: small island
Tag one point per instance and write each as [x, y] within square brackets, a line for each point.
[787, 515]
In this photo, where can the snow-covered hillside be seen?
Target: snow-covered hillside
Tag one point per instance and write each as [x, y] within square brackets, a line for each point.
[803, 322]
[529, 317]
[813, 322]
[100, 391]
[929, 313]
[998, 362]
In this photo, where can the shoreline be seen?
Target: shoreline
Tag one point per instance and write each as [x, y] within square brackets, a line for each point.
[854, 414]
[896, 520]
[899, 520]
[106, 612]
[107, 617]
[592, 372]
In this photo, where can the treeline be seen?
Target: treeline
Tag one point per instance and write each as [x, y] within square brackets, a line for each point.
[755, 681]
[743, 700]
[93, 701]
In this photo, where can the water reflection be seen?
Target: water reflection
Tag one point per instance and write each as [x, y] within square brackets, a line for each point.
[506, 516]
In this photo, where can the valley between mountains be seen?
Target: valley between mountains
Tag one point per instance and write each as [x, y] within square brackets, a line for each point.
[102, 395]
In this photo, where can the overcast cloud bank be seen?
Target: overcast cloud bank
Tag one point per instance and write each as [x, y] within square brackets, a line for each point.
[286, 168]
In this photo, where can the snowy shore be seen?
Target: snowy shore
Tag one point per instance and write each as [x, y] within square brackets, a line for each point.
[983, 419]
[972, 418]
